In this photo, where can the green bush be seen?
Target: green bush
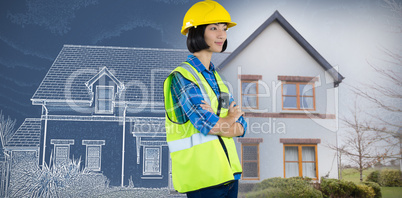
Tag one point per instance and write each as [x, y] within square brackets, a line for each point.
[284, 187]
[337, 188]
[267, 193]
[390, 178]
[373, 176]
[363, 191]
[376, 187]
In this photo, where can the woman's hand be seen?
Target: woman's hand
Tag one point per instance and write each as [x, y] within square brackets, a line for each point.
[227, 126]
[235, 111]
[206, 106]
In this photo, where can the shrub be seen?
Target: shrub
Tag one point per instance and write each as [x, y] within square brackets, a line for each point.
[373, 176]
[363, 191]
[267, 193]
[337, 188]
[376, 187]
[67, 180]
[284, 187]
[390, 178]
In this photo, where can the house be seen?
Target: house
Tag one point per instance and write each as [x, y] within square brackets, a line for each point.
[288, 92]
[104, 105]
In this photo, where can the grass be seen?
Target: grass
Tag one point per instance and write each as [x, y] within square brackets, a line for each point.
[391, 192]
[354, 176]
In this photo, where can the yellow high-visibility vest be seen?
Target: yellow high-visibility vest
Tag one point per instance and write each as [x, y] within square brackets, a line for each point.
[198, 161]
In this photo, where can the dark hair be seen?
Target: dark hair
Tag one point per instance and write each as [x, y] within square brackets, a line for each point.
[196, 41]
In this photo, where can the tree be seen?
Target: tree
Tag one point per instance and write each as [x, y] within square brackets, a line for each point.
[7, 129]
[359, 143]
[385, 93]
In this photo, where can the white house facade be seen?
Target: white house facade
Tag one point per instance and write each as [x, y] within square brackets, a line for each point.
[288, 92]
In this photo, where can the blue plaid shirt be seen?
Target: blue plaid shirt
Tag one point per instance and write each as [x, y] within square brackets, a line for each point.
[187, 95]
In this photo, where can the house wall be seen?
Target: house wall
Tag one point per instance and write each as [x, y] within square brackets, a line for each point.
[111, 132]
[274, 52]
[134, 170]
[271, 150]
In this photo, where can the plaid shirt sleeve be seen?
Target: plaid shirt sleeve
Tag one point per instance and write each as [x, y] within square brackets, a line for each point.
[187, 99]
[241, 120]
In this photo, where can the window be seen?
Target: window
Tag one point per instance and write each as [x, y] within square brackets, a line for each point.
[93, 156]
[152, 161]
[300, 160]
[61, 150]
[298, 96]
[250, 158]
[249, 94]
[250, 161]
[249, 90]
[104, 99]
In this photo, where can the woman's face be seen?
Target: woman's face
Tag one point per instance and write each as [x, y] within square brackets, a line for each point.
[215, 36]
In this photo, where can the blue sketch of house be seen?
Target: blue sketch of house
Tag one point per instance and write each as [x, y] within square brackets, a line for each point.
[104, 105]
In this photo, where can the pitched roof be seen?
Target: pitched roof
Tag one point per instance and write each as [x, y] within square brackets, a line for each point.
[141, 70]
[27, 135]
[299, 39]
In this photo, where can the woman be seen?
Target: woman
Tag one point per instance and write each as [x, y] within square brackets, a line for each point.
[200, 123]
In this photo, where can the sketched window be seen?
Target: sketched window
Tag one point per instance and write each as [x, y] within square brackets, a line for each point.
[104, 99]
[93, 157]
[61, 154]
[298, 96]
[152, 161]
[300, 160]
[249, 94]
[250, 161]
[61, 150]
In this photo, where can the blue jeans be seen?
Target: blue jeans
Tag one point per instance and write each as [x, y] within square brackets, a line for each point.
[222, 191]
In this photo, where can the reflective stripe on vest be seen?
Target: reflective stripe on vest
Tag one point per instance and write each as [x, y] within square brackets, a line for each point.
[189, 142]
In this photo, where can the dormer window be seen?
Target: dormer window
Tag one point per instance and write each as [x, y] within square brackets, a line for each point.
[104, 99]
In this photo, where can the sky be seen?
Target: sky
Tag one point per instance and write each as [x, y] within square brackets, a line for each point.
[349, 34]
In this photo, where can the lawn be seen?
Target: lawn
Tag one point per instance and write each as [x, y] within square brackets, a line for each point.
[391, 192]
[354, 176]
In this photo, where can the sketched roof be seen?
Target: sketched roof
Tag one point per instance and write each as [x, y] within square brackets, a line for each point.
[299, 39]
[27, 135]
[141, 71]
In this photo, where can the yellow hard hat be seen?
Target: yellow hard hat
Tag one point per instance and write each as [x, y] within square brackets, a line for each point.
[205, 12]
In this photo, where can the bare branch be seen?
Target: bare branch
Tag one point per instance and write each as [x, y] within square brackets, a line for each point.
[6, 128]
